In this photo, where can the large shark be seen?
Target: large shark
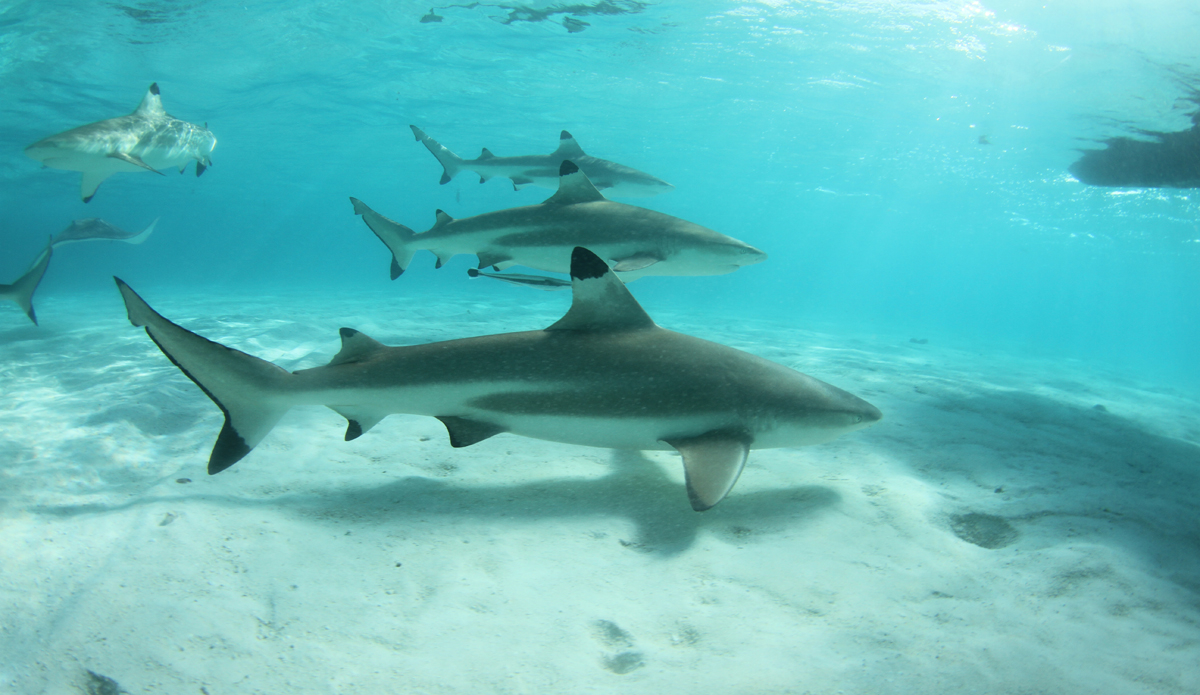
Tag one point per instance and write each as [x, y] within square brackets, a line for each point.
[542, 169]
[638, 241]
[148, 139]
[604, 375]
[95, 229]
[21, 291]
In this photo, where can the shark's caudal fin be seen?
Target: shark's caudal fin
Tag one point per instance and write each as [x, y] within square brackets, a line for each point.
[394, 235]
[450, 162]
[22, 290]
[248, 390]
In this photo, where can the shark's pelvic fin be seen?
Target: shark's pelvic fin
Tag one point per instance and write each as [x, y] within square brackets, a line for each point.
[465, 432]
[394, 235]
[21, 291]
[244, 387]
[600, 301]
[712, 463]
[573, 187]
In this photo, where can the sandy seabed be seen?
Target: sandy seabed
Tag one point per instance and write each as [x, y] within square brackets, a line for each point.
[1013, 525]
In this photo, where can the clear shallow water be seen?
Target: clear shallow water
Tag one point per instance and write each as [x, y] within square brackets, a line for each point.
[842, 138]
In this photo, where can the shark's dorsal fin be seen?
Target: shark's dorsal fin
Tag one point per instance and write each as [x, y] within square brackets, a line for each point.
[567, 147]
[573, 187]
[599, 301]
[151, 103]
[441, 219]
[356, 346]
[485, 153]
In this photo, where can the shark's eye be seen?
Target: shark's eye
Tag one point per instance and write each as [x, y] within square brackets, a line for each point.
[858, 418]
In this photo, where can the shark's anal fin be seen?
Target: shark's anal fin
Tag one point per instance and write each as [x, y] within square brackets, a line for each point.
[465, 432]
[712, 463]
[599, 301]
[134, 160]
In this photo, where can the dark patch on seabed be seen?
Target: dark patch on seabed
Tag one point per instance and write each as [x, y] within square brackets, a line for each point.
[984, 530]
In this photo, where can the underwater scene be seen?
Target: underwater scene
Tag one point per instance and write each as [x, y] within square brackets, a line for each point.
[599, 346]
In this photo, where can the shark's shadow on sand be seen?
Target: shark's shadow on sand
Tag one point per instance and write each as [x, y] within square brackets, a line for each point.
[636, 489]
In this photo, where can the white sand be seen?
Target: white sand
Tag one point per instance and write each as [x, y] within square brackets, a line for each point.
[396, 564]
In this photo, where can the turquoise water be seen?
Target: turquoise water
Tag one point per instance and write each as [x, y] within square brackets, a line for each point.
[842, 138]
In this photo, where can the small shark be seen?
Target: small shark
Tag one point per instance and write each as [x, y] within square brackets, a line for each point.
[95, 229]
[604, 375]
[542, 282]
[148, 139]
[639, 241]
[542, 169]
[21, 291]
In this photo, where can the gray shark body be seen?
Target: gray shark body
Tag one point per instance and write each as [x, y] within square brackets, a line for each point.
[637, 241]
[21, 291]
[95, 229]
[604, 375]
[542, 169]
[149, 139]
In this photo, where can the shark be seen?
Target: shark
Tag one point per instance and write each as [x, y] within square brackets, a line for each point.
[542, 282]
[638, 241]
[604, 375]
[148, 139]
[21, 291]
[542, 169]
[95, 229]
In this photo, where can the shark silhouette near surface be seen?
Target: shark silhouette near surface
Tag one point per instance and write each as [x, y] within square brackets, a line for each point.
[149, 139]
[1168, 160]
[605, 375]
[638, 241]
[22, 289]
[615, 180]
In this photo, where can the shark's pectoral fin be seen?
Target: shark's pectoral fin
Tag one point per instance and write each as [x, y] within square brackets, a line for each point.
[465, 432]
[634, 263]
[134, 160]
[712, 463]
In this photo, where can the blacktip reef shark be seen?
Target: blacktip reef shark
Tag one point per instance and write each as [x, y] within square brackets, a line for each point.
[542, 282]
[21, 291]
[542, 169]
[604, 375]
[148, 139]
[95, 229]
[638, 241]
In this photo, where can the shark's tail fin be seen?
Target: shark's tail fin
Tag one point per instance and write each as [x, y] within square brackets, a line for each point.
[251, 392]
[394, 235]
[22, 290]
[451, 162]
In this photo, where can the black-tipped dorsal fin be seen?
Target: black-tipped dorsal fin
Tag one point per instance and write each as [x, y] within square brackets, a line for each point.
[567, 147]
[151, 103]
[356, 346]
[599, 301]
[573, 187]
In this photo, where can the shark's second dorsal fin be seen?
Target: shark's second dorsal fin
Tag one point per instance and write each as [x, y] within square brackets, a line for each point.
[151, 103]
[356, 346]
[486, 154]
[567, 147]
[573, 187]
[599, 301]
